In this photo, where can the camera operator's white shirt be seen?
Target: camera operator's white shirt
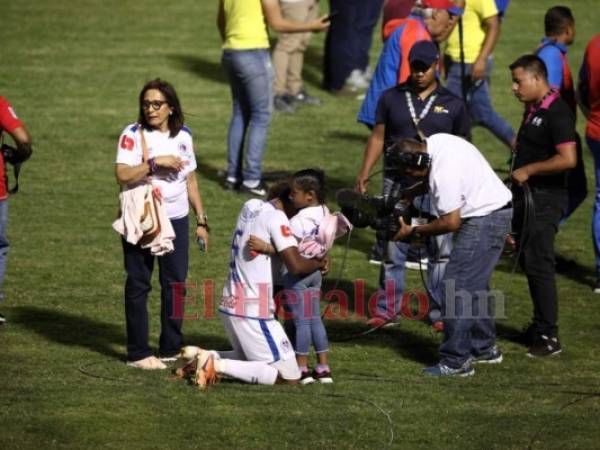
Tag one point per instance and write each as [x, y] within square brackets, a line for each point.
[173, 187]
[461, 178]
[252, 273]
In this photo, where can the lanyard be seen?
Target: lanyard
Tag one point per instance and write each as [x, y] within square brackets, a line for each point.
[413, 114]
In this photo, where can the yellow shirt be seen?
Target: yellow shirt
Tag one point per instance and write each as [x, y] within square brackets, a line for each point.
[245, 26]
[476, 11]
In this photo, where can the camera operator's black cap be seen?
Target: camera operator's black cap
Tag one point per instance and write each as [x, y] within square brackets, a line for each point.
[425, 52]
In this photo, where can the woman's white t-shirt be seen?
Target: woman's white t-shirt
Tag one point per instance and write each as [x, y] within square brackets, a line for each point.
[173, 186]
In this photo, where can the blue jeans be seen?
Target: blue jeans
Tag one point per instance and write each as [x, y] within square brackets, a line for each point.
[250, 77]
[479, 103]
[393, 267]
[303, 303]
[4, 246]
[595, 149]
[173, 268]
[469, 328]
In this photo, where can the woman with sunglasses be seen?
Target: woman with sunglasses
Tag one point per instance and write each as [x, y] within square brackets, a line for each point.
[170, 167]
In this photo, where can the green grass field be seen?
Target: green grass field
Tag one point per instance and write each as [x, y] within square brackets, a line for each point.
[73, 71]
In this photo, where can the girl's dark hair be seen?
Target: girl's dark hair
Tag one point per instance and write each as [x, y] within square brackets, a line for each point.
[311, 180]
[176, 119]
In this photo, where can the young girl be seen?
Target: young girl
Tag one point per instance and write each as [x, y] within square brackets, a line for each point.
[303, 296]
[315, 228]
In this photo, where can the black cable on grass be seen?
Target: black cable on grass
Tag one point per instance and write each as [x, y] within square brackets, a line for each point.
[83, 368]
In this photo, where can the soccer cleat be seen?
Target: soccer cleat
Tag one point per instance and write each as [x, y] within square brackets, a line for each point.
[323, 377]
[206, 375]
[442, 370]
[2, 319]
[493, 356]
[306, 377]
[149, 363]
[596, 288]
[545, 346]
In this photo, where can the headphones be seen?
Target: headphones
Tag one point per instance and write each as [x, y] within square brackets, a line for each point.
[413, 160]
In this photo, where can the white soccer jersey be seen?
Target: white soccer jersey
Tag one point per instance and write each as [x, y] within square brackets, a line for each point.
[248, 291]
[172, 186]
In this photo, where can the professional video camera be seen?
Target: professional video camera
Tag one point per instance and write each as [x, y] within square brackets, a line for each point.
[381, 212]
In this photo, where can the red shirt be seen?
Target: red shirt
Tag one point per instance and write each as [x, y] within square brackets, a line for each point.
[589, 79]
[8, 122]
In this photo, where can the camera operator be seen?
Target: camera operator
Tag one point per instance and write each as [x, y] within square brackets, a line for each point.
[545, 152]
[10, 123]
[415, 109]
[472, 202]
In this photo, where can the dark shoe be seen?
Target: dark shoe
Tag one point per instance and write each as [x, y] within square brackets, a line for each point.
[596, 288]
[284, 104]
[306, 377]
[306, 99]
[260, 190]
[323, 377]
[493, 356]
[545, 346]
[230, 185]
[2, 319]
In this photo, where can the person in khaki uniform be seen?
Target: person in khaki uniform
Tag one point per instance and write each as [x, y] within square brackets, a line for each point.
[288, 57]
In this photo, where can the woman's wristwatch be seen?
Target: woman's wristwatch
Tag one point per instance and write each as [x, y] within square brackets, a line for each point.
[202, 221]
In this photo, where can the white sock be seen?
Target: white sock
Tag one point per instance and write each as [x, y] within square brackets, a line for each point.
[255, 372]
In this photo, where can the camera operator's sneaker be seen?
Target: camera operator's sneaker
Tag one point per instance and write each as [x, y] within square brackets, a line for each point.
[597, 287]
[2, 319]
[442, 370]
[544, 346]
[306, 377]
[493, 356]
